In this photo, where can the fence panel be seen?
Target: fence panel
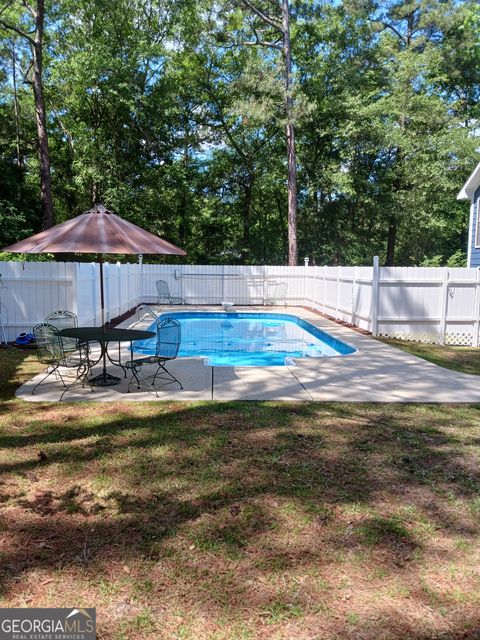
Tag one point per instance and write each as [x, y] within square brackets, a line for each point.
[311, 276]
[346, 276]
[429, 304]
[243, 285]
[292, 277]
[31, 290]
[150, 273]
[88, 294]
[362, 297]
[461, 308]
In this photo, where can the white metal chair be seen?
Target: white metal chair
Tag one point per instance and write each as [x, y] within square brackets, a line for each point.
[164, 295]
[166, 349]
[277, 293]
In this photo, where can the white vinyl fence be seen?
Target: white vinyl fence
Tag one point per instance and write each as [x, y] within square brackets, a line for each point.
[31, 290]
[427, 304]
[214, 284]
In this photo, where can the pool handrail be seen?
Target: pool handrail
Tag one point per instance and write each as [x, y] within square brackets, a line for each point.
[146, 309]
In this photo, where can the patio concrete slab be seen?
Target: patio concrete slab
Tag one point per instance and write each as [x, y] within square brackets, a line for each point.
[257, 383]
[196, 380]
[374, 373]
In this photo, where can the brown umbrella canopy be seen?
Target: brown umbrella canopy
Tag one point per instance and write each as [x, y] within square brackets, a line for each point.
[95, 231]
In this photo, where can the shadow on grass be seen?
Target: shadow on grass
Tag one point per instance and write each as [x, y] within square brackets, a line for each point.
[280, 487]
[17, 366]
[239, 451]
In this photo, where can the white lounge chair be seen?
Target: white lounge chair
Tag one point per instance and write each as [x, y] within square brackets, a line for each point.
[276, 293]
[164, 295]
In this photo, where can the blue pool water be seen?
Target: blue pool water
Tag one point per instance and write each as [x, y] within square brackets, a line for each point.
[248, 339]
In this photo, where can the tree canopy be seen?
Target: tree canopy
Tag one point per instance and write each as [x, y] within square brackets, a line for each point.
[172, 112]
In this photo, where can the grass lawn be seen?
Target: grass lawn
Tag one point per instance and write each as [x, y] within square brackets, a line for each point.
[462, 359]
[242, 520]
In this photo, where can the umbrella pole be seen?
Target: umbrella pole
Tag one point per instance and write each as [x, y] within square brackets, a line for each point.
[104, 379]
[102, 305]
[102, 297]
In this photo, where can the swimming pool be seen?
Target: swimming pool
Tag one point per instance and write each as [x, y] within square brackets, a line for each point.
[249, 339]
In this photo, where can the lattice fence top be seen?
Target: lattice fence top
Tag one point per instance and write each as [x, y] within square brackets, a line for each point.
[451, 338]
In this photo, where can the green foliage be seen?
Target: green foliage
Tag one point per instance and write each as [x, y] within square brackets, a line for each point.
[159, 111]
[433, 261]
[5, 256]
[458, 259]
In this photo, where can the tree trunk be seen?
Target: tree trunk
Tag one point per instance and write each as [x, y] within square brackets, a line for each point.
[46, 198]
[94, 193]
[16, 107]
[391, 240]
[247, 206]
[281, 218]
[35, 40]
[185, 197]
[290, 131]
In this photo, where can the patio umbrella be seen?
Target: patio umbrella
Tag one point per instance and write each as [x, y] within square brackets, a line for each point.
[96, 231]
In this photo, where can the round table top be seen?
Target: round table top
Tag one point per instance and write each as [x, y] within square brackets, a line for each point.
[106, 335]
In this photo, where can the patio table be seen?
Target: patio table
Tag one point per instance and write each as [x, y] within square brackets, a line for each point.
[103, 337]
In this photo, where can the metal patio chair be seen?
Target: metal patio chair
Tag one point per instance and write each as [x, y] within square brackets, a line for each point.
[65, 320]
[166, 350]
[163, 294]
[3, 334]
[51, 351]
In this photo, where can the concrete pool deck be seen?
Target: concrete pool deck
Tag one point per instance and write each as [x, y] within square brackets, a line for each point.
[376, 372]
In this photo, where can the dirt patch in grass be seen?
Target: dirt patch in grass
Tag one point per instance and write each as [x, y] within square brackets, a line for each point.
[462, 359]
[242, 520]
